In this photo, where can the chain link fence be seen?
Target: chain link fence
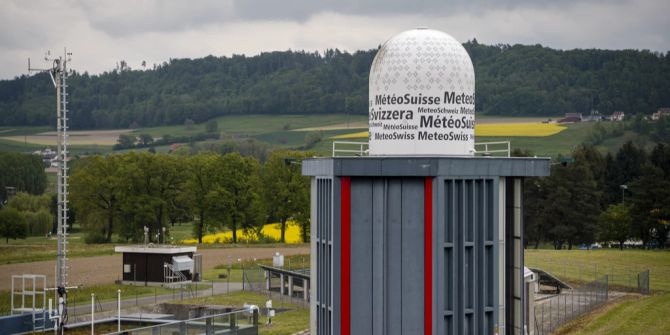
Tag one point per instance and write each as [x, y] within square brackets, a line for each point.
[554, 311]
[254, 280]
[621, 278]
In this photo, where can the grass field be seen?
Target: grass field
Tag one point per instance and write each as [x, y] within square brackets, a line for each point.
[40, 248]
[578, 266]
[631, 315]
[236, 268]
[294, 319]
[82, 295]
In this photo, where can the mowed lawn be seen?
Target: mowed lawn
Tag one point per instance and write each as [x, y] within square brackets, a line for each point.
[293, 319]
[578, 266]
[633, 314]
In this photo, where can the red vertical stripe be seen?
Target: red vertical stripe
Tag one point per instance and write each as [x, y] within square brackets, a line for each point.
[345, 247]
[428, 257]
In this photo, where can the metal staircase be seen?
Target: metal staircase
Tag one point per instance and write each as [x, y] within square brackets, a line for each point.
[172, 277]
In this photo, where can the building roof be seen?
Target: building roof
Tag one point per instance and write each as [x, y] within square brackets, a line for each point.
[296, 273]
[151, 249]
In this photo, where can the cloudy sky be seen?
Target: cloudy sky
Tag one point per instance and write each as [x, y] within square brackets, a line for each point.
[99, 33]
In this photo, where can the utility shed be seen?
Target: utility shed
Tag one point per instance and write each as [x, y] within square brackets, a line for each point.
[157, 265]
[418, 245]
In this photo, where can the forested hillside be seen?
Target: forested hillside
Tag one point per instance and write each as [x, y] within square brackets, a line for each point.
[511, 80]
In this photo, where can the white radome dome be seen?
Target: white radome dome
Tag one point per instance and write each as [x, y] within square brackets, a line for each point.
[419, 80]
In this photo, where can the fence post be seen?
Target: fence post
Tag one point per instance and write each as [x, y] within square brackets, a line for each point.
[551, 317]
[118, 308]
[92, 313]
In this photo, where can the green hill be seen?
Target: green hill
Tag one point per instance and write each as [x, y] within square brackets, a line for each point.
[511, 80]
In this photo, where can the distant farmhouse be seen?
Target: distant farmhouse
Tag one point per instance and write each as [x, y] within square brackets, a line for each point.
[571, 118]
[593, 117]
[48, 157]
[662, 112]
[617, 116]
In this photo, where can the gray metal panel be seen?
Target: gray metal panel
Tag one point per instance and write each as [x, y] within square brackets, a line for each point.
[427, 166]
[393, 307]
[361, 256]
[412, 255]
[379, 262]
[322, 281]
[335, 265]
[317, 168]
[314, 236]
[466, 256]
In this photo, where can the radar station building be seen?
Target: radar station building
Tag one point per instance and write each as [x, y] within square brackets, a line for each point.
[422, 236]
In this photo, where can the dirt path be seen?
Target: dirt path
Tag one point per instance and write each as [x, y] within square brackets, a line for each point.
[107, 269]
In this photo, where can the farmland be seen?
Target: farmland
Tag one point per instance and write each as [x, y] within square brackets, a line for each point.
[270, 232]
[290, 131]
[282, 130]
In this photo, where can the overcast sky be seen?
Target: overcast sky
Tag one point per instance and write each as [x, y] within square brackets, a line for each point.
[100, 33]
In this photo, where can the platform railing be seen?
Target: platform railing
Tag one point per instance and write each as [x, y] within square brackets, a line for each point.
[243, 321]
[360, 149]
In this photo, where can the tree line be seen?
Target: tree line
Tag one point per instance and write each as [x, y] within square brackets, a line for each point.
[590, 197]
[511, 80]
[122, 193]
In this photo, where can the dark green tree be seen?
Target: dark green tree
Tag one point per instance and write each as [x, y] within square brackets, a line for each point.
[146, 139]
[614, 224]
[24, 172]
[125, 141]
[286, 191]
[650, 206]
[96, 188]
[211, 126]
[12, 224]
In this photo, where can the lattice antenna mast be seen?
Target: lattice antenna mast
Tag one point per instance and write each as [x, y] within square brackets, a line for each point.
[59, 74]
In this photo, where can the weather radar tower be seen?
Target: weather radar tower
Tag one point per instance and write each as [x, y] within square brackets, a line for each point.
[59, 74]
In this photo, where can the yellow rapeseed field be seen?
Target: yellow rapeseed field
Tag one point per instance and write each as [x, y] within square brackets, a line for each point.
[360, 134]
[518, 129]
[493, 130]
[271, 230]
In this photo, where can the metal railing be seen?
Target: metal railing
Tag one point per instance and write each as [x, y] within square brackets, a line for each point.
[350, 149]
[172, 276]
[493, 148]
[359, 149]
[243, 321]
[254, 280]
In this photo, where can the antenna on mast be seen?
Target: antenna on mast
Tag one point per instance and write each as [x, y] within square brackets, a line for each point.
[59, 73]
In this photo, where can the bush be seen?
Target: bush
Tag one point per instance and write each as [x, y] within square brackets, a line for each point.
[212, 126]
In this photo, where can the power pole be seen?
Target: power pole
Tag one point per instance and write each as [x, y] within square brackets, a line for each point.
[59, 74]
